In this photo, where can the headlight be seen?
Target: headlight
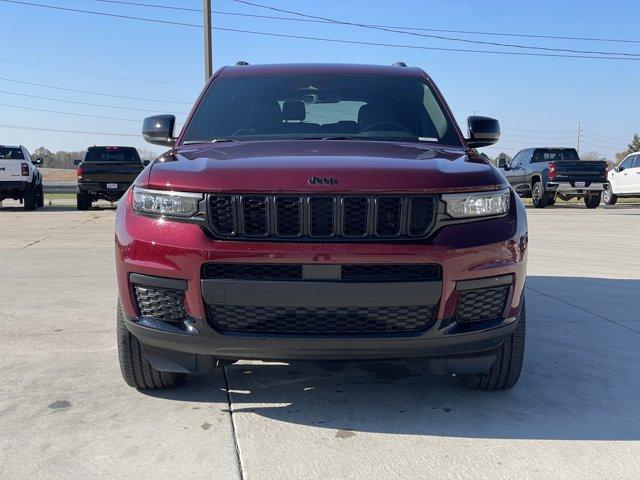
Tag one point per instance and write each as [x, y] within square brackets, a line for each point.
[163, 202]
[477, 204]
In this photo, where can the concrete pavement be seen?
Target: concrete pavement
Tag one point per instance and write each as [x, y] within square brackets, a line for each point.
[66, 413]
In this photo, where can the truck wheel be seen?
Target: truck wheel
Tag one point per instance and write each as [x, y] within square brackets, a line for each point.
[30, 198]
[136, 369]
[592, 201]
[506, 371]
[84, 201]
[40, 201]
[608, 197]
[540, 197]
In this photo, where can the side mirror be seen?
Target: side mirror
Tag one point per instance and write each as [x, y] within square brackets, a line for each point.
[619, 168]
[38, 161]
[77, 162]
[146, 162]
[483, 131]
[158, 130]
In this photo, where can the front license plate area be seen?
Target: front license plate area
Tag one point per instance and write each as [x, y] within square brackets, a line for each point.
[112, 186]
[580, 184]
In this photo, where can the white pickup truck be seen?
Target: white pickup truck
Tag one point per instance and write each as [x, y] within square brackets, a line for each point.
[20, 178]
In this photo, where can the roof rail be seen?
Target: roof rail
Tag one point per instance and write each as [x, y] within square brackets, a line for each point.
[241, 63]
[398, 64]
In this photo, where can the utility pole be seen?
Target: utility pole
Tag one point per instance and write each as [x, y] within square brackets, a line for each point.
[208, 54]
[579, 134]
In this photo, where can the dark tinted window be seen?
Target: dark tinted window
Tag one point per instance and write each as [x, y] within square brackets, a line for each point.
[112, 154]
[309, 106]
[11, 153]
[636, 162]
[555, 155]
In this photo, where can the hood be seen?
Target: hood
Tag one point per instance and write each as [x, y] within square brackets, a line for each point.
[352, 166]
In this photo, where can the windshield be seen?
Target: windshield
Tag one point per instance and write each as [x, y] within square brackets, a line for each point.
[11, 153]
[555, 155]
[112, 154]
[321, 106]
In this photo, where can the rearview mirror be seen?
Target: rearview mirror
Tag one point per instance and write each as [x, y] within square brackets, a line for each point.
[158, 130]
[483, 131]
[77, 162]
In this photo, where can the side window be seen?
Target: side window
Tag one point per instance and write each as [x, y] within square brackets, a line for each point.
[627, 162]
[515, 161]
[636, 162]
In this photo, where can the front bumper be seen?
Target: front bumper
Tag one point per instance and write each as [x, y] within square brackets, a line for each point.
[489, 249]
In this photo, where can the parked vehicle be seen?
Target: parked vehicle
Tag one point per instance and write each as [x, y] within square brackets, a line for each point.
[106, 173]
[624, 180]
[321, 212]
[546, 174]
[20, 179]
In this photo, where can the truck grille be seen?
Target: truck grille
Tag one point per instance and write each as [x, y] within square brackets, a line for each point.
[482, 304]
[320, 320]
[321, 217]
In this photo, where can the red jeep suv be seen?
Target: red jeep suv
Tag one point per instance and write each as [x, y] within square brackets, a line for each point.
[321, 212]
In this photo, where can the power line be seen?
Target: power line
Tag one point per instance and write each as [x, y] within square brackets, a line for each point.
[616, 144]
[324, 39]
[69, 113]
[309, 20]
[90, 92]
[438, 37]
[606, 137]
[84, 103]
[106, 75]
[534, 131]
[20, 127]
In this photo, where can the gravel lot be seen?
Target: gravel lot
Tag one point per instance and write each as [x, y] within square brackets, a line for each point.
[65, 412]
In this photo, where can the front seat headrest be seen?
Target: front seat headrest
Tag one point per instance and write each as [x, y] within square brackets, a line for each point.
[294, 110]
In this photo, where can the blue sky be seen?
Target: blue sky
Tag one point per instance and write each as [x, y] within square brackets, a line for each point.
[538, 100]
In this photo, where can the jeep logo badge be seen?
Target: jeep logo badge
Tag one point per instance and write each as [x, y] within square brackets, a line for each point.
[322, 181]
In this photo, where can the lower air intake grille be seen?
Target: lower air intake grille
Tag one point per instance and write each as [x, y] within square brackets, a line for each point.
[161, 303]
[319, 320]
[249, 271]
[389, 273]
[482, 304]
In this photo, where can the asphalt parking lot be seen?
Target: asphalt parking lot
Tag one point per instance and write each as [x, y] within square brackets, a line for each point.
[66, 413]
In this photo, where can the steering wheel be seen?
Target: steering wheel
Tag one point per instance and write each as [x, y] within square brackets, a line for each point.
[394, 127]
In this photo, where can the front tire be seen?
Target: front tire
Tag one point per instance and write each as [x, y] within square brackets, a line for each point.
[83, 201]
[592, 201]
[608, 197]
[506, 371]
[539, 196]
[134, 365]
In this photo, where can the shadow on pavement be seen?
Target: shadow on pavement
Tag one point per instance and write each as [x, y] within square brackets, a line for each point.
[580, 380]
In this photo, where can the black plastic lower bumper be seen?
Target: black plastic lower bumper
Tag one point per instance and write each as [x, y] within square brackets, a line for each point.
[454, 349]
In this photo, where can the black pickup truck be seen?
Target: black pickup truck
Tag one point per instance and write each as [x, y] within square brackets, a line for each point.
[106, 173]
[545, 174]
